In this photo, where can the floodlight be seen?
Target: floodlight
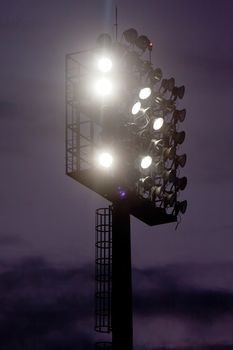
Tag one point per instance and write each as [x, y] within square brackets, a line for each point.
[164, 85]
[144, 93]
[169, 198]
[146, 182]
[179, 115]
[136, 107]
[178, 91]
[159, 167]
[169, 175]
[181, 91]
[105, 159]
[103, 87]
[158, 123]
[181, 183]
[181, 207]
[104, 64]
[146, 162]
[169, 153]
[156, 146]
[142, 42]
[170, 84]
[167, 105]
[156, 191]
[181, 160]
[141, 120]
[155, 75]
[130, 35]
[179, 137]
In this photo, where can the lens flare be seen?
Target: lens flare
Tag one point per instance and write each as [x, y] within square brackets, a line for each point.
[105, 159]
[103, 87]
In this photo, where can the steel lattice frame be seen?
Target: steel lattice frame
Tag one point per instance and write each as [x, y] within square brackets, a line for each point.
[92, 125]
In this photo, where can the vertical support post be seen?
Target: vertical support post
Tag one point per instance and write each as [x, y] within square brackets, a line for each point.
[122, 325]
[116, 23]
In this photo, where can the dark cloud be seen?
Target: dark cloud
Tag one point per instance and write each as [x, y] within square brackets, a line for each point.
[196, 305]
[52, 307]
[43, 307]
[170, 292]
[203, 347]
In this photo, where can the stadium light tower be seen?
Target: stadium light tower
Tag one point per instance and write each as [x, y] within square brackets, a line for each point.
[122, 141]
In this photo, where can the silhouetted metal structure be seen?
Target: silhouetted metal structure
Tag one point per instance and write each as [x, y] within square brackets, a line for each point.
[136, 129]
[103, 272]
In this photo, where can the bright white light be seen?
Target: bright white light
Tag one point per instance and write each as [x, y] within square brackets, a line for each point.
[104, 64]
[136, 107]
[105, 159]
[146, 162]
[158, 123]
[145, 93]
[103, 87]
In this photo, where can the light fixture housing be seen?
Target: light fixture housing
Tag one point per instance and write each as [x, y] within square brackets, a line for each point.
[133, 120]
[179, 115]
[155, 75]
[181, 183]
[178, 92]
[181, 207]
[146, 182]
[130, 35]
[181, 160]
[179, 137]
[142, 42]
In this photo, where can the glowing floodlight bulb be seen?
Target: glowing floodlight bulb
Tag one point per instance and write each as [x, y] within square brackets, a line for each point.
[146, 162]
[144, 93]
[158, 123]
[136, 108]
[105, 159]
[103, 87]
[104, 64]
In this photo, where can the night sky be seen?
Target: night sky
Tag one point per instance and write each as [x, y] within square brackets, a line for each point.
[182, 279]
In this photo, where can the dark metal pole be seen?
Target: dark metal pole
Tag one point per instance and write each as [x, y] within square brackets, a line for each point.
[116, 23]
[122, 325]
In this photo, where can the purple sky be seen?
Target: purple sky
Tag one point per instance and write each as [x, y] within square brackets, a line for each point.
[183, 279]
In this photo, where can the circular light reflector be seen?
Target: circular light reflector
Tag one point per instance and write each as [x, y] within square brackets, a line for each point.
[146, 162]
[144, 93]
[105, 159]
[104, 64]
[158, 123]
[103, 87]
[136, 108]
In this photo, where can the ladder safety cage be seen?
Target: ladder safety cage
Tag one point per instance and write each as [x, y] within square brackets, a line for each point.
[103, 270]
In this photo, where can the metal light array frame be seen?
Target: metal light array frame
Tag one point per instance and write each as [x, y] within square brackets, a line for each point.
[93, 125]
